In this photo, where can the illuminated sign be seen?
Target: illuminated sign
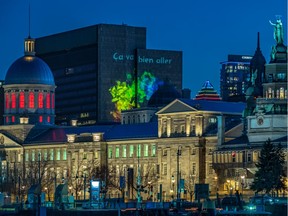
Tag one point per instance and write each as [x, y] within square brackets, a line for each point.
[141, 59]
[246, 57]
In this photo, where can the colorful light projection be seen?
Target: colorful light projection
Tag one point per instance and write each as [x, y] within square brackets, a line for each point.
[123, 93]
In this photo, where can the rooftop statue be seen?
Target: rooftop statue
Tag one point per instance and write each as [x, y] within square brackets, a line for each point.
[278, 31]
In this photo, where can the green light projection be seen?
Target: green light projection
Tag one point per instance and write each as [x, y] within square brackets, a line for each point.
[123, 93]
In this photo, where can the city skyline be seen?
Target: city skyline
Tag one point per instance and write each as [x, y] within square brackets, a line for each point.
[189, 27]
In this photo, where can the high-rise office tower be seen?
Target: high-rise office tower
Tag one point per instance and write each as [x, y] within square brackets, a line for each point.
[234, 77]
[103, 69]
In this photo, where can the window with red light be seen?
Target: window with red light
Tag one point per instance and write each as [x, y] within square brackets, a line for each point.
[7, 119]
[48, 100]
[40, 100]
[40, 118]
[31, 100]
[233, 156]
[7, 101]
[21, 100]
[13, 119]
[53, 101]
[13, 100]
[48, 119]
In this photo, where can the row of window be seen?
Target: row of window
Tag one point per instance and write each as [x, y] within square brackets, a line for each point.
[129, 151]
[16, 119]
[46, 154]
[11, 100]
[280, 93]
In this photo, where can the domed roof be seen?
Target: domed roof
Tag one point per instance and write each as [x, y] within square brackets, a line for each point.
[29, 70]
[165, 94]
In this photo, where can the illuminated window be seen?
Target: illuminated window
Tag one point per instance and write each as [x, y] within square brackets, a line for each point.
[21, 100]
[139, 150]
[269, 93]
[13, 100]
[7, 119]
[13, 119]
[131, 151]
[64, 154]
[153, 150]
[48, 101]
[110, 152]
[26, 156]
[31, 100]
[48, 119]
[45, 155]
[146, 150]
[40, 100]
[282, 95]
[40, 118]
[117, 152]
[58, 154]
[51, 154]
[124, 151]
[7, 100]
[33, 155]
[53, 101]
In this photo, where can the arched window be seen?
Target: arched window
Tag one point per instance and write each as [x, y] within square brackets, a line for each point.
[269, 93]
[40, 119]
[7, 101]
[31, 100]
[48, 100]
[21, 100]
[40, 100]
[282, 95]
[13, 100]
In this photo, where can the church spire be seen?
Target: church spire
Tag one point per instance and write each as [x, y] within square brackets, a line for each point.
[258, 41]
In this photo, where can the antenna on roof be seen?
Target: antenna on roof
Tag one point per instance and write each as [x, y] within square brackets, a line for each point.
[29, 22]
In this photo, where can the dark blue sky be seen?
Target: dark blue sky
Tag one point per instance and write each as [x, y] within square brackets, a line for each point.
[206, 31]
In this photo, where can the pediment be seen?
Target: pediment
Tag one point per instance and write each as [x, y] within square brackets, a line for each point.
[176, 106]
[5, 141]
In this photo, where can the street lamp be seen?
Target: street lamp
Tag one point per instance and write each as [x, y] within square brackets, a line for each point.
[178, 173]
[173, 184]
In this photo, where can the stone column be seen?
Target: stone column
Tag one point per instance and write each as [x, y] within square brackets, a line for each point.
[188, 124]
[168, 127]
[159, 127]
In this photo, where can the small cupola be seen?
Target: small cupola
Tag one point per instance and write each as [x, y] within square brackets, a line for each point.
[29, 46]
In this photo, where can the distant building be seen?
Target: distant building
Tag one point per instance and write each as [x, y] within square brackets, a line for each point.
[234, 77]
[92, 65]
[207, 92]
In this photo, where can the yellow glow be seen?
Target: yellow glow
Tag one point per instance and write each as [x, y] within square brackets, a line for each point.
[28, 58]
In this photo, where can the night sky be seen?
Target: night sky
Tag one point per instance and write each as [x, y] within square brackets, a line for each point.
[206, 31]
